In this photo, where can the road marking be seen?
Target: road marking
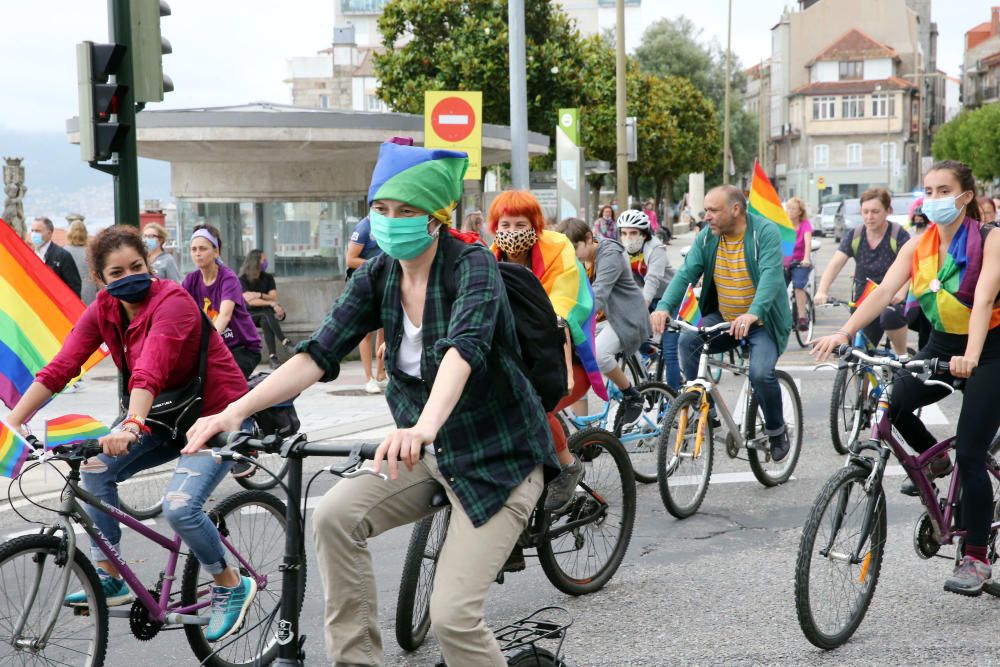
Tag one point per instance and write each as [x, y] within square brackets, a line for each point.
[77, 528]
[719, 478]
[931, 415]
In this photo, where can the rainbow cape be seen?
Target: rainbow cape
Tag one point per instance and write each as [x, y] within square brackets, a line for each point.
[766, 205]
[37, 311]
[68, 429]
[14, 450]
[689, 310]
[869, 288]
[554, 263]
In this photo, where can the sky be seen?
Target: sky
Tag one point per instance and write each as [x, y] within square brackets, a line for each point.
[234, 51]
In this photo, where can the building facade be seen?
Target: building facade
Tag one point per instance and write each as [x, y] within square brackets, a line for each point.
[981, 63]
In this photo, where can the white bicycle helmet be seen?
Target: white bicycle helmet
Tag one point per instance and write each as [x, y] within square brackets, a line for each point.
[632, 219]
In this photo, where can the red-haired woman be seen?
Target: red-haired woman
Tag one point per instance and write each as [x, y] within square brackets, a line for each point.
[517, 221]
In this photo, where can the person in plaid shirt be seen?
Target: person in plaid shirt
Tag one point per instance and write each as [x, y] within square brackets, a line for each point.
[457, 395]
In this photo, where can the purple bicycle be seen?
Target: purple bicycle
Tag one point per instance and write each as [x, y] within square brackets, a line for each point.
[840, 554]
[38, 570]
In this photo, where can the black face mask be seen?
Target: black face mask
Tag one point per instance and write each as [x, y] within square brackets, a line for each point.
[131, 289]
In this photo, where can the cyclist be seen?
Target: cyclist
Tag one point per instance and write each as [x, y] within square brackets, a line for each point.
[615, 293]
[874, 246]
[955, 278]
[739, 261]
[651, 270]
[802, 253]
[154, 328]
[457, 395]
[517, 221]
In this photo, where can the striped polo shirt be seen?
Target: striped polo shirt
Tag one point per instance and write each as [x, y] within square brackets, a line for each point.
[732, 280]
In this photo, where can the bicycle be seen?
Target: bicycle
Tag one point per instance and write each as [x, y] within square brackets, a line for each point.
[37, 571]
[686, 447]
[579, 548]
[843, 541]
[518, 639]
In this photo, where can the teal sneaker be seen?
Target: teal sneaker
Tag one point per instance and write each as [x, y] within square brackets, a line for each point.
[229, 606]
[116, 592]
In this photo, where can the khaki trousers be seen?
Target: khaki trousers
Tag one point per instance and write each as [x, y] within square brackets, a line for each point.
[357, 509]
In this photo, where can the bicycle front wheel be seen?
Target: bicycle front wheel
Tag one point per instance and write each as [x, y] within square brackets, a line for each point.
[683, 461]
[253, 523]
[34, 563]
[640, 437]
[585, 543]
[849, 407]
[838, 563]
[413, 604]
[809, 315]
[768, 471]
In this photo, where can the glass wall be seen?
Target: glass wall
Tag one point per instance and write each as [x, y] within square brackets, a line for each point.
[235, 221]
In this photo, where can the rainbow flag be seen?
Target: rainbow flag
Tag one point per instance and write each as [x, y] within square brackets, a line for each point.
[14, 450]
[689, 310]
[68, 429]
[869, 288]
[37, 311]
[766, 205]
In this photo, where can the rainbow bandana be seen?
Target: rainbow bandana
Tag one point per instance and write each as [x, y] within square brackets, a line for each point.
[946, 295]
[431, 180]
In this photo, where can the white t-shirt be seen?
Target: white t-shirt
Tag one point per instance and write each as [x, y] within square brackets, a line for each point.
[410, 351]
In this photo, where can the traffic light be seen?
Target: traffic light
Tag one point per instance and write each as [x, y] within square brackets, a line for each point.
[148, 49]
[99, 67]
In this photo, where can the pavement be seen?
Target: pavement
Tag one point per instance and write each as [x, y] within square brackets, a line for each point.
[716, 588]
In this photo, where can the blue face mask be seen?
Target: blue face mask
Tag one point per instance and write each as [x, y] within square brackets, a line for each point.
[131, 289]
[152, 243]
[36, 239]
[941, 211]
[401, 238]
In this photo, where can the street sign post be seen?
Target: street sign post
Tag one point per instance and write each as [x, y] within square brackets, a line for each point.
[454, 120]
[570, 184]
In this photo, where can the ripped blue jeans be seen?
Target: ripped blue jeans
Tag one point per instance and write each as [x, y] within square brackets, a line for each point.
[194, 479]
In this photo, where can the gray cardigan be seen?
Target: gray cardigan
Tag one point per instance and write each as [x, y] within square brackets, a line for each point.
[618, 295]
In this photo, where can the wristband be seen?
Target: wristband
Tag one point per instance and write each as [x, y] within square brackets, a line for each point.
[140, 426]
[846, 333]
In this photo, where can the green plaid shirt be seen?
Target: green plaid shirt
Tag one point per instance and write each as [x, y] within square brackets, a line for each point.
[497, 433]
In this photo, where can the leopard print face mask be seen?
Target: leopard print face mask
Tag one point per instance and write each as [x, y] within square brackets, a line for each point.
[516, 242]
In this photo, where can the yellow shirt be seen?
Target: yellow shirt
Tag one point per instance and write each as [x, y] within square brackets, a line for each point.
[732, 280]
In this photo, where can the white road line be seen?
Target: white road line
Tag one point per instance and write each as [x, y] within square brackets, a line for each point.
[77, 528]
[931, 415]
[721, 478]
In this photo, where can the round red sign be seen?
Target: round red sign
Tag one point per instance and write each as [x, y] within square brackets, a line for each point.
[453, 119]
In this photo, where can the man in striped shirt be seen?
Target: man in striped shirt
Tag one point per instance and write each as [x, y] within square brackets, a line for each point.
[739, 262]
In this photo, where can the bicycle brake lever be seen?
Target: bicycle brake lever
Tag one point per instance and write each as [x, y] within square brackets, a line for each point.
[946, 385]
[825, 365]
[359, 472]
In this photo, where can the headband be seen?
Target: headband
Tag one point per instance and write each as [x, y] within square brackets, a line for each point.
[205, 234]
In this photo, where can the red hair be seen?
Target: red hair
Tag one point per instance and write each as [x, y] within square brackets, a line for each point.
[516, 203]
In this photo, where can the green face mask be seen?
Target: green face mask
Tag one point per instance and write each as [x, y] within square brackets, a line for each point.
[401, 238]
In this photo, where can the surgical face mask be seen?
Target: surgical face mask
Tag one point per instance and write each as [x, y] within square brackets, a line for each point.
[401, 238]
[152, 243]
[633, 245]
[36, 239]
[516, 241]
[131, 289]
[941, 211]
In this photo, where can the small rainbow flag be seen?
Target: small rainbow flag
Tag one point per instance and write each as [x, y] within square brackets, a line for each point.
[766, 205]
[689, 310]
[37, 311]
[14, 451]
[869, 288]
[68, 429]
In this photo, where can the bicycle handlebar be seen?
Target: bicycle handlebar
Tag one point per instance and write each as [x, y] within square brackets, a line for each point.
[932, 366]
[240, 442]
[678, 325]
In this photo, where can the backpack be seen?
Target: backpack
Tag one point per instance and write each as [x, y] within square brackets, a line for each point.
[281, 418]
[539, 334]
[894, 229]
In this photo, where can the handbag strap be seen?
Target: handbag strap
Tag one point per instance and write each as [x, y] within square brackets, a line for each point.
[206, 333]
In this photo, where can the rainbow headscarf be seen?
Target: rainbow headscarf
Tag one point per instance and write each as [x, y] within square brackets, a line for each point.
[431, 180]
[554, 263]
[946, 295]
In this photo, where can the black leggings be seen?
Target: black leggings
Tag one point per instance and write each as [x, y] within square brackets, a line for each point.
[246, 359]
[268, 323]
[977, 423]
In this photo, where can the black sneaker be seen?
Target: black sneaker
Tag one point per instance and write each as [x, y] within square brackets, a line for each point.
[273, 361]
[631, 406]
[779, 445]
[560, 490]
[940, 466]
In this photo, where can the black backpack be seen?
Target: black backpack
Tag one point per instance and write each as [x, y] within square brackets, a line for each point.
[541, 339]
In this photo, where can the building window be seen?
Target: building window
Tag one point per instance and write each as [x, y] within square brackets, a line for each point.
[852, 70]
[853, 155]
[821, 155]
[324, 101]
[852, 106]
[823, 108]
[888, 153]
[883, 105]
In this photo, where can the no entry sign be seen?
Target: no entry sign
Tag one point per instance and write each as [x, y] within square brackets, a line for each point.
[453, 120]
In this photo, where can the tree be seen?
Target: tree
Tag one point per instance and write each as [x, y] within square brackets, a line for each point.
[972, 138]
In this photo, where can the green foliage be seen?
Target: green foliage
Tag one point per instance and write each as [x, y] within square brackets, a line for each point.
[972, 138]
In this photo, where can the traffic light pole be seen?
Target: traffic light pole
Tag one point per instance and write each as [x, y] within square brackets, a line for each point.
[126, 171]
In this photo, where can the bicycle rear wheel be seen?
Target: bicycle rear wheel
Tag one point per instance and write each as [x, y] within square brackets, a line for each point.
[767, 471]
[413, 604]
[253, 522]
[849, 409]
[640, 437]
[77, 638]
[141, 496]
[582, 559]
[832, 593]
[683, 466]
